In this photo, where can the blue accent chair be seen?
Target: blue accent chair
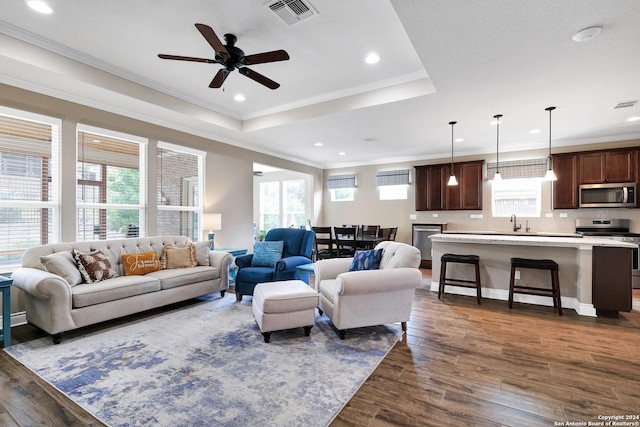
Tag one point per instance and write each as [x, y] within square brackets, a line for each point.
[298, 247]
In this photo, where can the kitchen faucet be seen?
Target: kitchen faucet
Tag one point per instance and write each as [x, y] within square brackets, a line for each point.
[516, 227]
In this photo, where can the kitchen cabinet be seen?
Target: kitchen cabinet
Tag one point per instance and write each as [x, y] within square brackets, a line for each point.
[611, 279]
[565, 188]
[433, 193]
[608, 166]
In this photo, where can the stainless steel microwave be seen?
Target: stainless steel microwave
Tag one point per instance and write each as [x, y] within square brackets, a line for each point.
[620, 195]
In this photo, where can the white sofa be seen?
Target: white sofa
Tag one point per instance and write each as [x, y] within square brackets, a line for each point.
[354, 299]
[55, 306]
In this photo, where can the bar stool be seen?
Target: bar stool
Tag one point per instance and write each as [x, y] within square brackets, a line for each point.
[539, 264]
[460, 259]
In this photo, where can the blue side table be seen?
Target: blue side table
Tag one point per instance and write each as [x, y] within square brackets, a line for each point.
[5, 288]
[304, 271]
[233, 269]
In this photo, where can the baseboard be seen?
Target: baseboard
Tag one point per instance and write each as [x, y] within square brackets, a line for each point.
[17, 319]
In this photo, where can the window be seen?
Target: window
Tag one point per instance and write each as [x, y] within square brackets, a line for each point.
[180, 172]
[342, 187]
[393, 184]
[283, 204]
[29, 195]
[516, 196]
[269, 205]
[111, 187]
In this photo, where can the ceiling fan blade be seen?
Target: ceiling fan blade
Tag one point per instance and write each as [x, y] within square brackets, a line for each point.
[260, 58]
[253, 75]
[187, 58]
[219, 78]
[210, 35]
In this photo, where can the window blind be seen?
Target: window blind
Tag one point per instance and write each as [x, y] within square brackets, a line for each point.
[532, 168]
[341, 181]
[392, 177]
[29, 184]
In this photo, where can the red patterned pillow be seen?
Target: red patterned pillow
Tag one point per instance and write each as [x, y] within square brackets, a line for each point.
[94, 266]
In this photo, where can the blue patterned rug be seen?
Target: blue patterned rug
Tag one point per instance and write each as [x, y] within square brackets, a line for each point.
[206, 364]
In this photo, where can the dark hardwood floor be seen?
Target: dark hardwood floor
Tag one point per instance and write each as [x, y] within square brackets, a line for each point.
[459, 364]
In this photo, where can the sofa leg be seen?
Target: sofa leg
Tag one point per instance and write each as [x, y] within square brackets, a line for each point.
[267, 336]
[222, 292]
[404, 326]
[238, 296]
[342, 333]
[320, 311]
[307, 330]
[57, 338]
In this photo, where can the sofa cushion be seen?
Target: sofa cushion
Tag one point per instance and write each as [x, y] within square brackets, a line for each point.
[116, 288]
[175, 278]
[177, 257]
[267, 254]
[140, 263]
[366, 260]
[62, 264]
[202, 251]
[94, 266]
[329, 289]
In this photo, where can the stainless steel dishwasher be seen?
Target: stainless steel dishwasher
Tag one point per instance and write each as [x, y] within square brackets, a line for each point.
[421, 240]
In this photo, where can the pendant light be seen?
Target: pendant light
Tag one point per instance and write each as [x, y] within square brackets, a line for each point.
[497, 176]
[452, 179]
[550, 176]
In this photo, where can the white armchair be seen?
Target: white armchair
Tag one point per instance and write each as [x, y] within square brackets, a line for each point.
[354, 299]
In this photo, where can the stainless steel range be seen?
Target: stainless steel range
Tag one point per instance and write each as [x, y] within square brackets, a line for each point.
[614, 229]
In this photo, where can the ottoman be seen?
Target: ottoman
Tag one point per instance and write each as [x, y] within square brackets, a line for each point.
[284, 305]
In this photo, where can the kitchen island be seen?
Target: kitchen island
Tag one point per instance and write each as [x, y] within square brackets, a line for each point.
[573, 254]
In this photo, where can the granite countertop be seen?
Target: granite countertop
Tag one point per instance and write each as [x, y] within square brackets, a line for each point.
[566, 240]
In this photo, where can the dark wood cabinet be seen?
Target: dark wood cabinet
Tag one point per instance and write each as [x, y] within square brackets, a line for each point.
[611, 279]
[608, 166]
[433, 193]
[565, 188]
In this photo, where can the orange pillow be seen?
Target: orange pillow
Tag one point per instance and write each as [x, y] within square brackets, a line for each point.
[140, 263]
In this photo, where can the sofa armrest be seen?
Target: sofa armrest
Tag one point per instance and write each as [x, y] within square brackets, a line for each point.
[42, 284]
[378, 281]
[243, 261]
[330, 268]
[222, 261]
[288, 264]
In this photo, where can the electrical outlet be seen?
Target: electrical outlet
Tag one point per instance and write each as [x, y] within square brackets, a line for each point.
[517, 275]
[563, 215]
[548, 215]
[435, 215]
[413, 216]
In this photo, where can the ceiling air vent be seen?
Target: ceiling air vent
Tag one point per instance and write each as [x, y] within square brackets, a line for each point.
[292, 11]
[625, 104]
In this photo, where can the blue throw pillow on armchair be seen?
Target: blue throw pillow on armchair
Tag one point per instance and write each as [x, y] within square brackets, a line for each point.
[366, 260]
[267, 254]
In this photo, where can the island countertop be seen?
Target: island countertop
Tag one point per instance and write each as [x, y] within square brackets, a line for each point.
[564, 240]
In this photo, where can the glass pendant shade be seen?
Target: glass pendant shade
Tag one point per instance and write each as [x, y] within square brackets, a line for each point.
[550, 176]
[497, 176]
[452, 178]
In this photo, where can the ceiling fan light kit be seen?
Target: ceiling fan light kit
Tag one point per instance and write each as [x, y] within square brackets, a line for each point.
[231, 58]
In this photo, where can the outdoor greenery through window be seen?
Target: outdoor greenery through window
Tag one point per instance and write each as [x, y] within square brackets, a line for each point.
[110, 193]
[29, 197]
[286, 211]
[180, 172]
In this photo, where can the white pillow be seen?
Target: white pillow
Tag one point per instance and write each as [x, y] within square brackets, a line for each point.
[62, 264]
[202, 251]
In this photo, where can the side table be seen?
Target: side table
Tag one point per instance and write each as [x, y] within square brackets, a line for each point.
[5, 288]
[233, 269]
[304, 271]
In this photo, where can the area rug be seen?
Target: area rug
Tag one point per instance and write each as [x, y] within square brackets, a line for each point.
[206, 364]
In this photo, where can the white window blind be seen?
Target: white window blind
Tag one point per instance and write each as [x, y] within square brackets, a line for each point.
[392, 177]
[342, 181]
[29, 184]
[111, 184]
[516, 169]
[180, 172]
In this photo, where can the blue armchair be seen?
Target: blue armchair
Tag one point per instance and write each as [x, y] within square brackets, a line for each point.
[297, 250]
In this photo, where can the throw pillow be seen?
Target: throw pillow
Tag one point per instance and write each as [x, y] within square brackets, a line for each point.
[202, 251]
[140, 263]
[62, 264]
[94, 266]
[174, 257]
[267, 254]
[366, 260]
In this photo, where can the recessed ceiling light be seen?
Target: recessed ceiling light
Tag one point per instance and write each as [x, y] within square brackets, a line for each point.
[342, 153]
[459, 140]
[587, 34]
[39, 6]
[633, 119]
[372, 58]
[239, 97]
[318, 144]
[535, 131]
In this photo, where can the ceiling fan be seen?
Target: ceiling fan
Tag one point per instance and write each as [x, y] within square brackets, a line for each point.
[232, 57]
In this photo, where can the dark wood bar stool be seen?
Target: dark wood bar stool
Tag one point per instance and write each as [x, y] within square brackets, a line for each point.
[539, 264]
[460, 259]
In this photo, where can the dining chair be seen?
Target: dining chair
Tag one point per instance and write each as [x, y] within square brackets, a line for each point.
[345, 241]
[370, 230]
[384, 233]
[392, 233]
[324, 243]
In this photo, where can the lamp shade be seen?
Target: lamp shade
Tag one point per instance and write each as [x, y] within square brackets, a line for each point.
[211, 221]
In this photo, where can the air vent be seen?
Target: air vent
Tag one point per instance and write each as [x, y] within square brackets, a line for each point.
[292, 11]
[625, 104]
[370, 140]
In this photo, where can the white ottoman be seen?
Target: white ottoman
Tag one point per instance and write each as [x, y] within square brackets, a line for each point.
[284, 305]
